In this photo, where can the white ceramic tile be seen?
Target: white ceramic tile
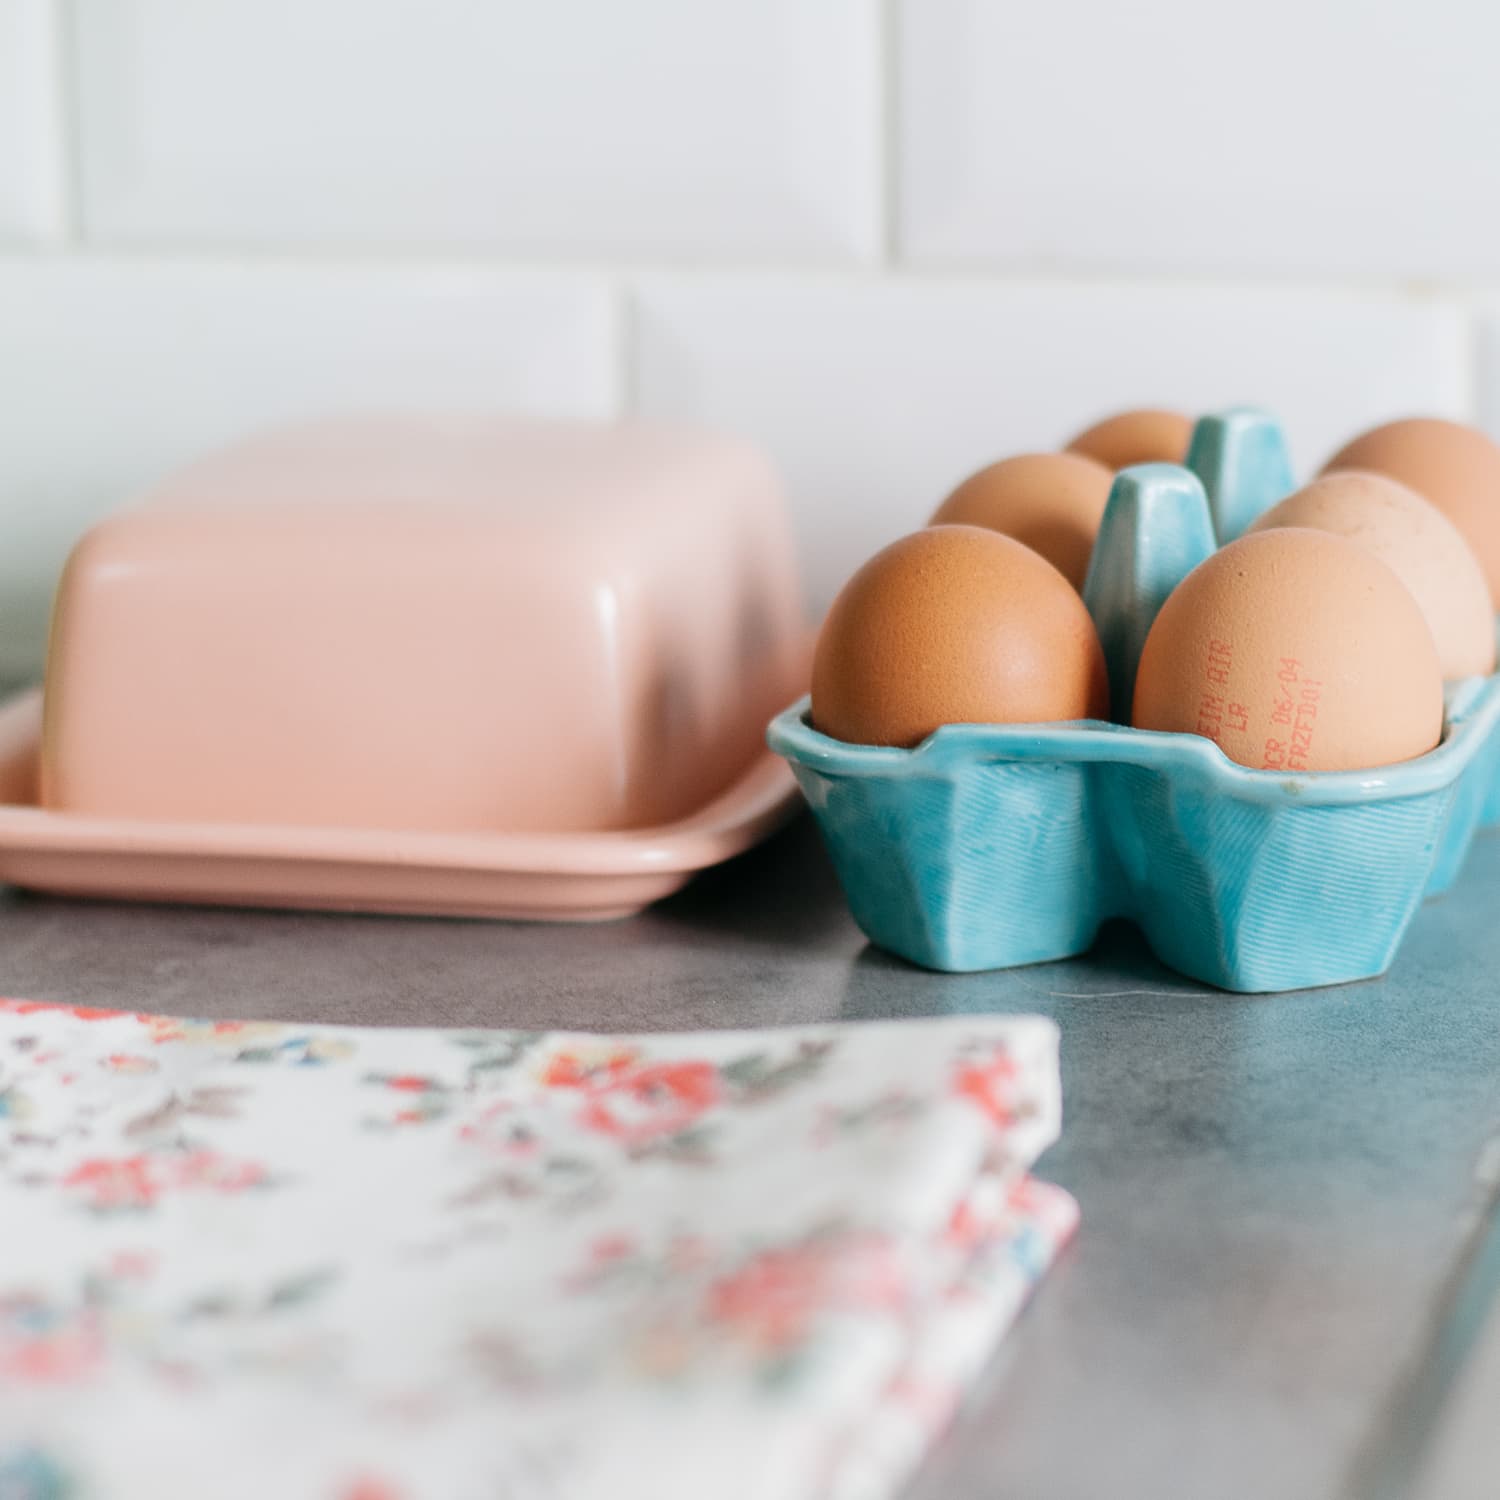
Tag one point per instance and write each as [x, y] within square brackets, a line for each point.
[748, 127]
[877, 395]
[1347, 136]
[31, 153]
[113, 373]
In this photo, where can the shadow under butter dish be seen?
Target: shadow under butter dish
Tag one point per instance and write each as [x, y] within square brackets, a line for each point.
[954, 624]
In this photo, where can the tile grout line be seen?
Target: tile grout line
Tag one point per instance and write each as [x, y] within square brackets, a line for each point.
[925, 274]
[1390, 1462]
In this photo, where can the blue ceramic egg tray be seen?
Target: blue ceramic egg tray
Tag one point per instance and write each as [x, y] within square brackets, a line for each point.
[988, 846]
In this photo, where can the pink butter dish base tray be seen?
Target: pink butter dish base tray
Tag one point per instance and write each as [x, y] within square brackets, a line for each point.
[569, 877]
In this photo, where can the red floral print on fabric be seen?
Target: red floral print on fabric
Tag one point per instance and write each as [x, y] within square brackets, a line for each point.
[634, 1102]
[1025, 1198]
[569, 1071]
[129, 1062]
[115, 1182]
[648, 1103]
[990, 1085]
[127, 1182]
[965, 1227]
[48, 1345]
[610, 1247]
[81, 1012]
[771, 1300]
[370, 1489]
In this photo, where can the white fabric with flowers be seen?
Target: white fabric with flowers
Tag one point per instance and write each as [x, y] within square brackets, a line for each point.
[246, 1259]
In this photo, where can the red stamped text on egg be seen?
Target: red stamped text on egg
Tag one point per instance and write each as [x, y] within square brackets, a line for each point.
[1211, 706]
[1294, 711]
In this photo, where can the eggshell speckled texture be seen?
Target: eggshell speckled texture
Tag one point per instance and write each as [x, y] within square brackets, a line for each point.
[1294, 651]
[1136, 437]
[1419, 544]
[1456, 467]
[954, 625]
[1050, 501]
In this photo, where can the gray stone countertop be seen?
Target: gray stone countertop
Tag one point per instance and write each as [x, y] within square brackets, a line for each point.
[1285, 1280]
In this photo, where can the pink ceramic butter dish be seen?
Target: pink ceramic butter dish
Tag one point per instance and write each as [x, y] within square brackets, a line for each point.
[473, 628]
[530, 876]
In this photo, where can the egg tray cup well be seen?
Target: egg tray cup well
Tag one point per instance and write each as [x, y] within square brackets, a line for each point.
[989, 846]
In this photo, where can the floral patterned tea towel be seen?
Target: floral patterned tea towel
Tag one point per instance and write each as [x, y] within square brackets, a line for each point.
[244, 1260]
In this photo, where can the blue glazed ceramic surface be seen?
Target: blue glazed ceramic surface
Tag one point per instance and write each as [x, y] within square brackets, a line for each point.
[994, 845]
[988, 846]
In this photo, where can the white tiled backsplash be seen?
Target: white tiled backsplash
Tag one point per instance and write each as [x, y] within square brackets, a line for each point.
[890, 240]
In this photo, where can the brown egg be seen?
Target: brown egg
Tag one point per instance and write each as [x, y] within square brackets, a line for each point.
[1050, 501]
[954, 625]
[1149, 436]
[1419, 544]
[1295, 651]
[1456, 467]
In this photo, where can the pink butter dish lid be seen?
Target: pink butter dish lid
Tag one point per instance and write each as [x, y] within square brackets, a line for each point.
[461, 625]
